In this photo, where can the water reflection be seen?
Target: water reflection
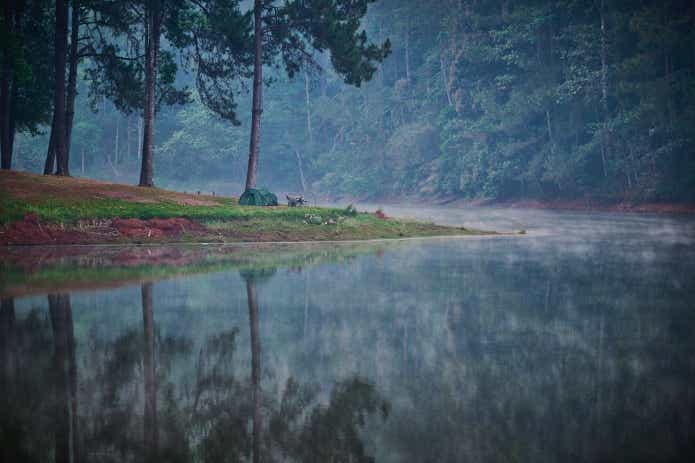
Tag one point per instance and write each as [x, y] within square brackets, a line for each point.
[250, 278]
[66, 429]
[151, 430]
[137, 404]
[529, 349]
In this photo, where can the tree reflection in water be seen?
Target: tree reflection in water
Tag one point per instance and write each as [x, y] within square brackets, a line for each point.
[136, 405]
[66, 430]
[252, 301]
[542, 349]
[151, 433]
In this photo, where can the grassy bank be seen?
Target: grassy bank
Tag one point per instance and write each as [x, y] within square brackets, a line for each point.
[37, 209]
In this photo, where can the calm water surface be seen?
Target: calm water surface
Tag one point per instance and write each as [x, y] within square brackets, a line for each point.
[575, 342]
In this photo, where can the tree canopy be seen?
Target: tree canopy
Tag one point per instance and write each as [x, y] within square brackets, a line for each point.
[541, 99]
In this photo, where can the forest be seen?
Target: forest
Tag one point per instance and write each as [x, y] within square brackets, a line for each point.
[368, 99]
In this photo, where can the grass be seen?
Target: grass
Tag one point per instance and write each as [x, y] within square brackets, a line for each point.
[71, 211]
[361, 226]
[73, 202]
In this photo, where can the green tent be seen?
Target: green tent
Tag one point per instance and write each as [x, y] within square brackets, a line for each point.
[258, 197]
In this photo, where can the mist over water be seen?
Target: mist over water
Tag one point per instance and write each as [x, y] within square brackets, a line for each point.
[570, 343]
[563, 226]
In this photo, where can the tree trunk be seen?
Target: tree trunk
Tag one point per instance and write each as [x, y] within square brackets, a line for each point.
[301, 170]
[61, 47]
[151, 434]
[604, 66]
[257, 107]
[128, 130]
[13, 131]
[604, 92]
[549, 127]
[72, 75]
[407, 53]
[51, 156]
[6, 89]
[152, 32]
[308, 107]
[692, 27]
[445, 79]
[255, 367]
[139, 148]
[115, 150]
[49, 165]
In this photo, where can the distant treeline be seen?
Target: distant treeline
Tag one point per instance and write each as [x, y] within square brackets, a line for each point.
[527, 98]
[495, 99]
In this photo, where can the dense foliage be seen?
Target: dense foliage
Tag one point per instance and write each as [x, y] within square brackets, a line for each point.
[497, 99]
[505, 99]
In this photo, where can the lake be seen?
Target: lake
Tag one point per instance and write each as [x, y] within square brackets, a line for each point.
[573, 342]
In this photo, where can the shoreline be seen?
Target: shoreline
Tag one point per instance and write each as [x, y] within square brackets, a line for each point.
[48, 210]
[569, 205]
[248, 244]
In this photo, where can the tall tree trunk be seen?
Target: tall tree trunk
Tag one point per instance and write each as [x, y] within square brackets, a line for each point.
[445, 78]
[257, 107]
[302, 180]
[307, 102]
[6, 88]
[151, 433]
[604, 66]
[61, 47]
[18, 7]
[13, 130]
[604, 91]
[153, 29]
[49, 165]
[549, 127]
[115, 150]
[139, 147]
[60, 312]
[128, 142]
[72, 75]
[407, 53]
[51, 154]
[255, 367]
[692, 27]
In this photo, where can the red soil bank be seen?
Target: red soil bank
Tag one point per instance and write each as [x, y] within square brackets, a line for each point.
[32, 231]
[155, 228]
